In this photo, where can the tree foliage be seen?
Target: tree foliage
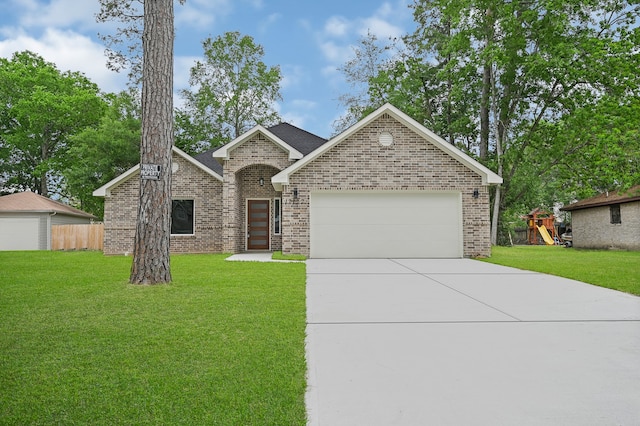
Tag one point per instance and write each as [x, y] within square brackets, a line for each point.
[40, 109]
[124, 47]
[517, 83]
[99, 154]
[232, 91]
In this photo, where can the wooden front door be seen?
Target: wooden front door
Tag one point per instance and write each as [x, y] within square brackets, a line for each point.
[258, 225]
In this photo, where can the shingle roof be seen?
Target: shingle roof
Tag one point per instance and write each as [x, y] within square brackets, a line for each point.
[207, 159]
[298, 139]
[605, 199]
[30, 202]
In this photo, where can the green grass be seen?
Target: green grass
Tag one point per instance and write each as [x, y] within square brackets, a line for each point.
[277, 255]
[222, 345]
[619, 270]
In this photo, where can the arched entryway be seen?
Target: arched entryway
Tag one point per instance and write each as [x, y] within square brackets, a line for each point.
[259, 207]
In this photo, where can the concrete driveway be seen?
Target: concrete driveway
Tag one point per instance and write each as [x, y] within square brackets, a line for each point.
[462, 342]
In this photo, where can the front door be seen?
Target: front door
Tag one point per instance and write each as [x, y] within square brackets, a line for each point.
[258, 225]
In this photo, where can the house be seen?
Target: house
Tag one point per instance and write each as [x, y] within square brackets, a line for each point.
[386, 187]
[26, 220]
[607, 221]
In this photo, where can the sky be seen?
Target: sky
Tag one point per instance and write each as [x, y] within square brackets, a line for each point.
[308, 39]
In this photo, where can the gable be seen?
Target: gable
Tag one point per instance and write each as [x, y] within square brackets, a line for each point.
[368, 148]
[258, 132]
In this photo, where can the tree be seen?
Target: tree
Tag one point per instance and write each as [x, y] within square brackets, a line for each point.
[40, 108]
[233, 90]
[151, 260]
[369, 60]
[124, 47]
[99, 154]
[517, 71]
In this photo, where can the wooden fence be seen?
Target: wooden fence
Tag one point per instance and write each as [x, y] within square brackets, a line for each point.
[77, 237]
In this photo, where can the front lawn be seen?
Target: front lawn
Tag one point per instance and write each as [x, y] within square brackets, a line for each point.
[619, 270]
[222, 345]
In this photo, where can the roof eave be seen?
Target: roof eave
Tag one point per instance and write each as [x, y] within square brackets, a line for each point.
[105, 190]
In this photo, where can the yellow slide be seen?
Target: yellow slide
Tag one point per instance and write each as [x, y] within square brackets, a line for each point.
[545, 235]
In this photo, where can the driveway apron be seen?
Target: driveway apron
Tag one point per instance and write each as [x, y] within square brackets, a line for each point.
[463, 342]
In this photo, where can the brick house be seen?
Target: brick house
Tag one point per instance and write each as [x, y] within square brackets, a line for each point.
[386, 187]
[607, 221]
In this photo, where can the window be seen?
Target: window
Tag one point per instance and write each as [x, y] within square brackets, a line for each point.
[614, 210]
[182, 217]
[277, 215]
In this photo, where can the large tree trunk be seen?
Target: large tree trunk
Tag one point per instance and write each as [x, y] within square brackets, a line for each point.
[151, 250]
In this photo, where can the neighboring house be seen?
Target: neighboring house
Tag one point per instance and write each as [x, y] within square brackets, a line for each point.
[607, 221]
[386, 187]
[26, 219]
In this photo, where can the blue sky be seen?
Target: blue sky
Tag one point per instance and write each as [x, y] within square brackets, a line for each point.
[308, 39]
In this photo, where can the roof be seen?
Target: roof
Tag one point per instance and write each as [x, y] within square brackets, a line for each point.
[488, 177]
[606, 199]
[207, 159]
[107, 187]
[299, 139]
[34, 203]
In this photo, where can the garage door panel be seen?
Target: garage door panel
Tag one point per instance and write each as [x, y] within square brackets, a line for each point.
[19, 233]
[386, 224]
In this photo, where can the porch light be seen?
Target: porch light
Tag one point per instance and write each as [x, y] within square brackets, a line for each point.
[261, 181]
[295, 193]
[476, 193]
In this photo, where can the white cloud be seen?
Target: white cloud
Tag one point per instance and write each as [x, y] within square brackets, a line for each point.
[380, 28]
[56, 13]
[336, 53]
[385, 22]
[337, 26]
[70, 51]
[181, 70]
[201, 14]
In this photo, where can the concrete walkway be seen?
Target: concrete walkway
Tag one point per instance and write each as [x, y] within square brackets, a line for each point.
[256, 256]
[462, 342]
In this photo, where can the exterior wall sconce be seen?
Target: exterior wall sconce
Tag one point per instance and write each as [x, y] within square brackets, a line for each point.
[261, 181]
[476, 193]
[295, 193]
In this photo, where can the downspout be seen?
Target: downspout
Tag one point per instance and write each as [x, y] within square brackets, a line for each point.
[53, 213]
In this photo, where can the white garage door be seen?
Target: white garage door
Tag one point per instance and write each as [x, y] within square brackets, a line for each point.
[386, 224]
[19, 233]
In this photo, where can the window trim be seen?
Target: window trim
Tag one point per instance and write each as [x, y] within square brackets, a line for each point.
[277, 215]
[615, 214]
[193, 218]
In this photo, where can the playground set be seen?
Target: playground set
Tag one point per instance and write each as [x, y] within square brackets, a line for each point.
[541, 228]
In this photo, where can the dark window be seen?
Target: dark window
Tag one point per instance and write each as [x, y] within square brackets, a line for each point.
[614, 210]
[277, 215]
[182, 217]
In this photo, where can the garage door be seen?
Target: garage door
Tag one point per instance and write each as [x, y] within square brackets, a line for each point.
[19, 233]
[386, 224]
